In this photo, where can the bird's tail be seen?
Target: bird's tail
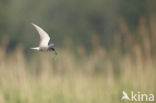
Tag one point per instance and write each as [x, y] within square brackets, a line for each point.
[35, 48]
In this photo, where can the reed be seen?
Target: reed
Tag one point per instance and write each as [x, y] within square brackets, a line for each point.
[97, 77]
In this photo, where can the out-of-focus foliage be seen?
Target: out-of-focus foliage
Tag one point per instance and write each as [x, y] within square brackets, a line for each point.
[74, 19]
[97, 78]
[119, 35]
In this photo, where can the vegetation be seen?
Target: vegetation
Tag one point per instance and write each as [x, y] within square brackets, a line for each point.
[75, 19]
[99, 76]
[104, 47]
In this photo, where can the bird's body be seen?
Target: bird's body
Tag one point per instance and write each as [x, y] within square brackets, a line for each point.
[44, 45]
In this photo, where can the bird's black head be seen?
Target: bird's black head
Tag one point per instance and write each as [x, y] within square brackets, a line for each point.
[51, 49]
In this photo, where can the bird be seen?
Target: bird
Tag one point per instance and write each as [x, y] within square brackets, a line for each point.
[45, 44]
[125, 96]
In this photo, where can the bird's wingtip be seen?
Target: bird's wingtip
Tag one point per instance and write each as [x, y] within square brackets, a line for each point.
[32, 24]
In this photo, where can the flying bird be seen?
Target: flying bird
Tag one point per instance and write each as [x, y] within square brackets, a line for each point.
[45, 44]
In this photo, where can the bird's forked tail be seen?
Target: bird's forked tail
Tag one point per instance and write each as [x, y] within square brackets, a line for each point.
[35, 48]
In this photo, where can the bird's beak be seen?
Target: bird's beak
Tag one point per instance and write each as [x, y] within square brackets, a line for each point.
[56, 53]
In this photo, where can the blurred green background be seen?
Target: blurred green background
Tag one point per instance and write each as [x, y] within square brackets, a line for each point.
[104, 47]
[71, 19]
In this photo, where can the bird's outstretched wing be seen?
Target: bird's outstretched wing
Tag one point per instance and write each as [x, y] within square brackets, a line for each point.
[44, 37]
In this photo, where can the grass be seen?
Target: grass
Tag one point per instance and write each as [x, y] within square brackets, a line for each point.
[97, 77]
[49, 79]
